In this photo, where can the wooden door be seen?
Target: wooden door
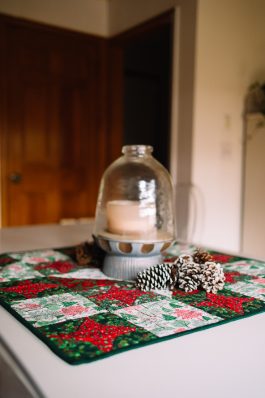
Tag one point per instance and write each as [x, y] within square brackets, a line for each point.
[53, 123]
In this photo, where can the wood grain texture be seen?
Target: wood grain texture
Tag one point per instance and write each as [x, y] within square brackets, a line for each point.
[53, 122]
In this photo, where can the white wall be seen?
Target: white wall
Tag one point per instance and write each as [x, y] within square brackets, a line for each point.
[230, 55]
[89, 16]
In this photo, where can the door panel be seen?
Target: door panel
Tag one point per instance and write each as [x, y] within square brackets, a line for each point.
[54, 130]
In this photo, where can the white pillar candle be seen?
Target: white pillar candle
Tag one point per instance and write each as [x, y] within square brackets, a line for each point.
[127, 217]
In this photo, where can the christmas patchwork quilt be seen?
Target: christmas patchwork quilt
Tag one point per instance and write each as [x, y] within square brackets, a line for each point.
[82, 315]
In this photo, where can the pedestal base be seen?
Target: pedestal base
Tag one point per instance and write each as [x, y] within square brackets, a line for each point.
[127, 267]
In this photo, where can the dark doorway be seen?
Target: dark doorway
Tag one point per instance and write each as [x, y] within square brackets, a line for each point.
[147, 68]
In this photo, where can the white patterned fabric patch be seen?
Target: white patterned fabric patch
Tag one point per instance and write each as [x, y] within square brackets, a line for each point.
[85, 273]
[248, 289]
[18, 271]
[39, 256]
[249, 267]
[57, 308]
[259, 281]
[166, 317]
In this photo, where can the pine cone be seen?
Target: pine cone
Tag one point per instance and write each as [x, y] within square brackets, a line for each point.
[89, 253]
[201, 256]
[173, 277]
[212, 278]
[158, 276]
[183, 259]
[189, 276]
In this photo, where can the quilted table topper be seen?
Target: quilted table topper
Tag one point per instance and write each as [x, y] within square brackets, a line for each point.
[82, 315]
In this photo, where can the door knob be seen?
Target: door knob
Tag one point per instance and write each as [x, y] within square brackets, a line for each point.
[15, 177]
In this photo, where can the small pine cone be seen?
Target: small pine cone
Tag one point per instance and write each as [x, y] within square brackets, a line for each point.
[89, 253]
[156, 277]
[189, 276]
[84, 253]
[212, 278]
[201, 256]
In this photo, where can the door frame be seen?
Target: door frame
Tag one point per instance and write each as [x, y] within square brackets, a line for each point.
[183, 98]
[3, 129]
[117, 45]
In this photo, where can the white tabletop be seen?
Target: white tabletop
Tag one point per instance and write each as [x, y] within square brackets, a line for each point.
[226, 360]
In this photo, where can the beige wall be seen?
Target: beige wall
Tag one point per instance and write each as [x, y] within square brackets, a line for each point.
[230, 55]
[90, 16]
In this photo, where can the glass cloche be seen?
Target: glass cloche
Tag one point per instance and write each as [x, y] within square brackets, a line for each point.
[134, 215]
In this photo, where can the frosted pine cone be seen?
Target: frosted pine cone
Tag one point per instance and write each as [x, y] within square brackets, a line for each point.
[201, 256]
[189, 276]
[212, 278]
[183, 259]
[159, 276]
